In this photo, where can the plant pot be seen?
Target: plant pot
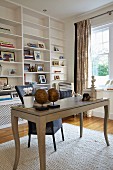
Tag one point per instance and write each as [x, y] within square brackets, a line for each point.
[28, 101]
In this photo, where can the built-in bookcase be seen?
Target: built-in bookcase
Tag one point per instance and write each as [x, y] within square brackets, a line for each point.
[37, 44]
[11, 33]
[58, 61]
[36, 40]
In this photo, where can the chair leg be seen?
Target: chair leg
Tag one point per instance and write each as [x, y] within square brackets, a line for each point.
[29, 139]
[81, 124]
[54, 141]
[62, 133]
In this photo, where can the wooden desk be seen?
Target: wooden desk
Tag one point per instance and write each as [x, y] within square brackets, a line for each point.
[68, 107]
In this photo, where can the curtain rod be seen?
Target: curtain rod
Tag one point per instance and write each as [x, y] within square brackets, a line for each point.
[108, 12]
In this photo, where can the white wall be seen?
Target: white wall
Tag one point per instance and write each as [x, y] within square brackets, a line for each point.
[70, 34]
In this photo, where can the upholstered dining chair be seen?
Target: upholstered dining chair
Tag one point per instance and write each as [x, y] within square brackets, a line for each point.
[65, 90]
[51, 127]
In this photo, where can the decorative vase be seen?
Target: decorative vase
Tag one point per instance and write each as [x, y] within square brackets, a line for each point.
[28, 101]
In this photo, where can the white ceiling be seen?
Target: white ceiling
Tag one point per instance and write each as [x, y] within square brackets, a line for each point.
[64, 8]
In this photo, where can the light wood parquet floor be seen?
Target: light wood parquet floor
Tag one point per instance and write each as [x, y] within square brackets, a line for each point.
[93, 123]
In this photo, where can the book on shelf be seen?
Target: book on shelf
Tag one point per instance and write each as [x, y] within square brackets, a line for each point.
[31, 57]
[5, 97]
[6, 44]
[31, 45]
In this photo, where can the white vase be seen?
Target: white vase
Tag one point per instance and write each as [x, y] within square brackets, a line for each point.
[28, 101]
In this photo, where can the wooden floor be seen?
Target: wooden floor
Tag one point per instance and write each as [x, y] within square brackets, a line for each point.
[93, 123]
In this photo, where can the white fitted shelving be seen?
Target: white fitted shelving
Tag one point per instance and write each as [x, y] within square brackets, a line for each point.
[11, 31]
[36, 31]
[24, 28]
[58, 61]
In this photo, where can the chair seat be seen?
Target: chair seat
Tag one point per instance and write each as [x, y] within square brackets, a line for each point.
[51, 127]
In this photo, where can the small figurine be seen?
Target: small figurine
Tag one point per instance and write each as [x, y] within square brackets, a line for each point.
[86, 97]
[93, 91]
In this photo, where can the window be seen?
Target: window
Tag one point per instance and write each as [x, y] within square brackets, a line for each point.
[101, 59]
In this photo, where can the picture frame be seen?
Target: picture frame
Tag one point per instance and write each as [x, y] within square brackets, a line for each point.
[39, 67]
[12, 71]
[55, 63]
[42, 79]
[41, 44]
[37, 55]
[26, 67]
[28, 54]
[7, 56]
[57, 77]
[3, 80]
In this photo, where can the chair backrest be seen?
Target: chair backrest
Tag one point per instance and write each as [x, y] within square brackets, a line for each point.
[65, 90]
[21, 92]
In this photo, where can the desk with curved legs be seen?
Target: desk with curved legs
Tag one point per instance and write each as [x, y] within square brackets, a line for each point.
[68, 107]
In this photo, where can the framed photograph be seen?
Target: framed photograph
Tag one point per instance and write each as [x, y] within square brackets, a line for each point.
[12, 71]
[41, 45]
[28, 54]
[42, 79]
[56, 77]
[26, 67]
[55, 63]
[3, 80]
[7, 56]
[39, 67]
[37, 55]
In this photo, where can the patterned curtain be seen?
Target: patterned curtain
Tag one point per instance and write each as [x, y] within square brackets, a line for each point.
[82, 46]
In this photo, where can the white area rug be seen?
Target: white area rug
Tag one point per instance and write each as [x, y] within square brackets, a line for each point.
[87, 153]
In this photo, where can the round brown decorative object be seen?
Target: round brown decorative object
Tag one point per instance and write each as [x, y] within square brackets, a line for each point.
[41, 96]
[53, 95]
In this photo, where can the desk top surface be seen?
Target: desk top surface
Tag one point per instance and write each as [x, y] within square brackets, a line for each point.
[65, 104]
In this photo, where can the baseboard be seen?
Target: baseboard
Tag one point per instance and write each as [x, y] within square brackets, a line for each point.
[101, 115]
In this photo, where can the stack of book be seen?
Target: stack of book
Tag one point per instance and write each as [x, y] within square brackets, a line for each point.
[5, 97]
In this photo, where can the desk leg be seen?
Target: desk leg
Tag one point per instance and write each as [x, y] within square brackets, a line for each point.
[81, 124]
[41, 125]
[106, 108]
[14, 121]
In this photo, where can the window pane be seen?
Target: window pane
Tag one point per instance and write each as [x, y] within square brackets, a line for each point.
[98, 37]
[105, 47]
[106, 35]
[100, 65]
[99, 54]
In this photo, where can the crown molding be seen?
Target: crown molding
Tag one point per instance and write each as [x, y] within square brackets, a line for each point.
[96, 11]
